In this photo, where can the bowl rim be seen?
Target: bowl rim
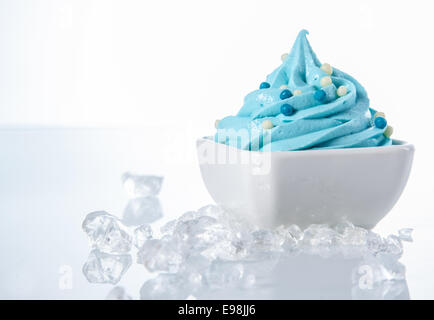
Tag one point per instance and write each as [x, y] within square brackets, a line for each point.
[396, 144]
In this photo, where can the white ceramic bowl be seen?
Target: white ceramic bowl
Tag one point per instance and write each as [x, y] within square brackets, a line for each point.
[304, 187]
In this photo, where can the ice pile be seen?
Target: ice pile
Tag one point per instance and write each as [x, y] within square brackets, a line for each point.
[209, 249]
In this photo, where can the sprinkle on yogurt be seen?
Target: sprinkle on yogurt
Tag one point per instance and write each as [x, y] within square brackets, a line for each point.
[325, 81]
[286, 109]
[388, 132]
[264, 85]
[341, 91]
[267, 124]
[327, 68]
[285, 94]
[380, 122]
[379, 114]
[319, 95]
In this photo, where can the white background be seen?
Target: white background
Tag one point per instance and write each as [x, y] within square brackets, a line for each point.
[179, 65]
[105, 62]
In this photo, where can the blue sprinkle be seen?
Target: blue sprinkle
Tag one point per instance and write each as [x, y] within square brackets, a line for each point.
[380, 122]
[319, 95]
[285, 94]
[286, 109]
[264, 85]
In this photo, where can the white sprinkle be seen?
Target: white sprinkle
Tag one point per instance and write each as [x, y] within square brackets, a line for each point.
[388, 132]
[325, 81]
[296, 92]
[284, 56]
[283, 86]
[327, 68]
[267, 124]
[379, 114]
[342, 90]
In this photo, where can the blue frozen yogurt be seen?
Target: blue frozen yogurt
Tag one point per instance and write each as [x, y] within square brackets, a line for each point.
[305, 105]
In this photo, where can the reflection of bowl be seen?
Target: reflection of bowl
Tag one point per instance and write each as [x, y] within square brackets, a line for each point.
[305, 187]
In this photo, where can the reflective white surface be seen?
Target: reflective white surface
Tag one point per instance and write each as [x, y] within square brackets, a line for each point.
[51, 178]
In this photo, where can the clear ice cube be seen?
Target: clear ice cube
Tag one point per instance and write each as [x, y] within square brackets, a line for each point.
[320, 236]
[266, 240]
[102, 267]
[406, 234]
[295, 232]
[141, 185]
[107, 233]
[393, 246]
[354, 236]
[142, 210]
[160, 255]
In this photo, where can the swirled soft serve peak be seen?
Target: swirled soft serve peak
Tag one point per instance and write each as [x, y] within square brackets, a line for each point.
[305, 104]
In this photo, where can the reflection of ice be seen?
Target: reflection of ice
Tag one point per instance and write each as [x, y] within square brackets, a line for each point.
[118, 293]
[141, 185]
[379, 278]
[142, 210]
[103, 267]
[107, 233]
[210, 254]
[166, 286]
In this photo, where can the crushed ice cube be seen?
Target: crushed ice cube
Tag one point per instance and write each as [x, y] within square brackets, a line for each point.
[320, 239]
[210, 249]
[142, 210]
[406, 234]
[295, 232]
[211, 211]
[160, 255]
[354, 236]
[344, 226]
[107, 233]
[375, 243]
[118, 293]
[169, 227]
[393, 246]
[102, 267]
[266, 240]
[141, 185]
[142, 234]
